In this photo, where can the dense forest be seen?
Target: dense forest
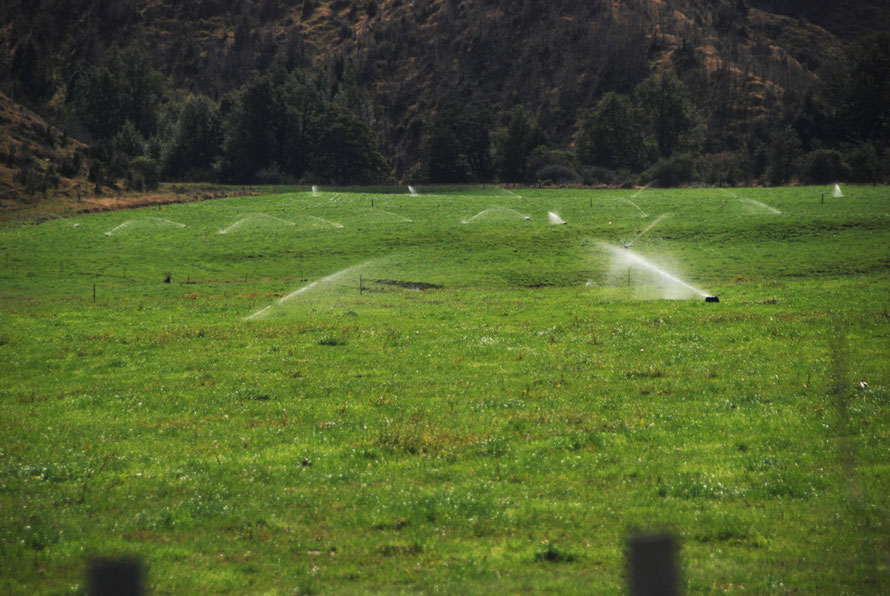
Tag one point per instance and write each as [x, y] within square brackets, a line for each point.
[124, 93]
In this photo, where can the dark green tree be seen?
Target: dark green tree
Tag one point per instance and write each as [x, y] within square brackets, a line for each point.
[610, 136]
[198, 140]
[865, 164]
[278, 124]
[344, 151]
[32, 68]
[476, 143]
[459, 146]
[253, 130]
[127, 141]
[144, 174]
[124, 87]
[514, 144]
[782, 153]
[669, 114]
[868, 90]
[825, 165]
[275, 119]
[97, 101]
[445, 162]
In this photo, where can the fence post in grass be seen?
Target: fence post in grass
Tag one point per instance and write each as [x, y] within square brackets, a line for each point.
[107, 577]
[652, 565]
[823, 198]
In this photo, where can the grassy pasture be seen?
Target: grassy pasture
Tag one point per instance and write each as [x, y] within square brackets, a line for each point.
[422, 404]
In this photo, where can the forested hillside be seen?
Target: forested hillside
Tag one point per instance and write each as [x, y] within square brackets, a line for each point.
[360, 91]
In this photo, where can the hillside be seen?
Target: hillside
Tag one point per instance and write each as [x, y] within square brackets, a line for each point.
[37, 160]
[850, 20]
[399, 71]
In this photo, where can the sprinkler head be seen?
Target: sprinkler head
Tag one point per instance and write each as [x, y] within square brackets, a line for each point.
[712, 299]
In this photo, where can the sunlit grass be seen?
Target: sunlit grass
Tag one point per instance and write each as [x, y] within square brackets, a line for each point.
[421, 402]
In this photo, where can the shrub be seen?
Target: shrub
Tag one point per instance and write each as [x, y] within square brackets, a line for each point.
[557, 174]
[551, 165]
[271, 175]
[594, 175]
[144, 173]
[865, 164]
[670, 171]
[823, 166]
[718, 169]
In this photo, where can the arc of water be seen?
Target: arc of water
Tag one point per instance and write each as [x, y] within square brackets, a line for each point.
[491, 209]
[634, 258]
[402, 217]
[251, 216]
[324, 221]
[132, 222]
[54, 217]
[649, 227]
[635, 205]
[554, 219]
[511, 193]
[127, 223]
[304, 289]
[762, 205]
[169, 221]
[636, 194]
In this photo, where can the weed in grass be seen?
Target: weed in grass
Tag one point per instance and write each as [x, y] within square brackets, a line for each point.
[550, 553]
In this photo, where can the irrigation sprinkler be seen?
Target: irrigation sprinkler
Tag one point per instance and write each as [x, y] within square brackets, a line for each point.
[712, 299]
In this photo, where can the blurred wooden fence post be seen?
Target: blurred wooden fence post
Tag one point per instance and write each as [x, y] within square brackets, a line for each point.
[652, 565]
[115, 577]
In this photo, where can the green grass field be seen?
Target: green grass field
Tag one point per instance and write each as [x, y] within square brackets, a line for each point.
[358, 393]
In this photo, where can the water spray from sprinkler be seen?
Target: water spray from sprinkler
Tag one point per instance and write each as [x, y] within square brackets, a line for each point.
[554, 219]
[629, 258]
[630, 243]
